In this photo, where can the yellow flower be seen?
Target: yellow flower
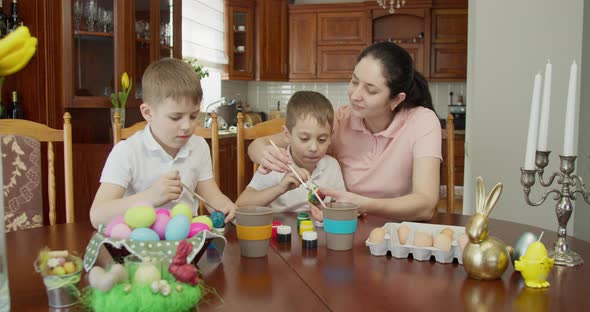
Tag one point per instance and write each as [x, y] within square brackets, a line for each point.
[125, 81]
[16, 50]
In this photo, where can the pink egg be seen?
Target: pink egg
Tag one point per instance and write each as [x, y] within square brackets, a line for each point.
[114, 221]
[160, 224]
[163, 211]
[121, 231]
[197, 228]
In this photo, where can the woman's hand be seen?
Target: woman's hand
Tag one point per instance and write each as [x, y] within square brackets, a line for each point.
[290, 181]
[347, 197]
[273, 160]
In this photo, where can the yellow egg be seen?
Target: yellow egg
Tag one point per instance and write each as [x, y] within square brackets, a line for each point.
[203, 219]
[182, 209]
[442, 242]
[140, 216]
[70, 267]
[403, 232]
[536, 251]
[462, 241]
[377, 236]
[422, 239]
[447, 231]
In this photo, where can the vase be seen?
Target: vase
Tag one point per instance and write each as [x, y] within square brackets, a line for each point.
[121, 113]
[4, 292]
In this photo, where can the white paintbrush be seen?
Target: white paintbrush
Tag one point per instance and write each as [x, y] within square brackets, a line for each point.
[199, 197]
[300, 179]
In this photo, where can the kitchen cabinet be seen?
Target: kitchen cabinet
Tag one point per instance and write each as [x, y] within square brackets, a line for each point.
[271, 40]
[327, 41]
[239, 21]
[449, 44]
[103, 39]
[302, 46]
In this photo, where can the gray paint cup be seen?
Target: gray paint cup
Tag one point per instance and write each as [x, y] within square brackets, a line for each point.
[340, 221]
[254, 227]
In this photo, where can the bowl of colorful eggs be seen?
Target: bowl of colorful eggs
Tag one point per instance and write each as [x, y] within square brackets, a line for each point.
[61, 274]
[149, 232]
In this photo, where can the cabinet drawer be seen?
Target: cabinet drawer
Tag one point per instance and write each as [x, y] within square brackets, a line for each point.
[448, 61]
[337, 62]
[342, 28]
[449, 26]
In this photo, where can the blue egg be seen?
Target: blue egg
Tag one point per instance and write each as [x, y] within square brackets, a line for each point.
[144, 234]
[178, 228]
[218, 219]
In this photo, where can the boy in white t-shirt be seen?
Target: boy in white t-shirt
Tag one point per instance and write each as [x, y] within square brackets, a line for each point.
[308, 129]
[151, 165]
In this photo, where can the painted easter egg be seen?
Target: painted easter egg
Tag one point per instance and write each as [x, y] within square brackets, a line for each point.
[116, 220]
[140, 216]
[160, 224]
[163, 211]
[312, 198]
[182, 209]
[203, 219]
[144, 234]
[178, 228]
[218, 219]
[197, 228]
[121, 231]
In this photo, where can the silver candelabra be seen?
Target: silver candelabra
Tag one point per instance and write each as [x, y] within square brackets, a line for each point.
[570, 185]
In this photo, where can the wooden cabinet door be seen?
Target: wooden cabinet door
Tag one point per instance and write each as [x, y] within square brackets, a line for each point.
[337, 62]
[302, 45]
[449, 26]
[240, 40]
[448, 60]
[271, 38]
[343, 28]
[416, 51]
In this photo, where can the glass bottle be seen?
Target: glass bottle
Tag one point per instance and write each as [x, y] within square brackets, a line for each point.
[16, 111]
[14, 21]
[3, 21]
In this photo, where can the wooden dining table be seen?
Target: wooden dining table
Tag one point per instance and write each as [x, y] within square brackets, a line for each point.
[290, 278]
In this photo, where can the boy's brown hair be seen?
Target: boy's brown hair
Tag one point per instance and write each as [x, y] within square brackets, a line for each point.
[303, 104]
[170, 77]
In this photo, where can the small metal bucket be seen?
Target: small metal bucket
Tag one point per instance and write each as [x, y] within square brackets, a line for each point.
[62, 291]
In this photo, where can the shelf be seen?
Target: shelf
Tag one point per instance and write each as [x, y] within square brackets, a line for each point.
[93, 33]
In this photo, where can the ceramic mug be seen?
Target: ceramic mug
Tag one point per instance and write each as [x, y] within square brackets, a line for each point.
[254, 229]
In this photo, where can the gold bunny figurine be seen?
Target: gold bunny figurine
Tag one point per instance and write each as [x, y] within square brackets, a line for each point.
[484, 257]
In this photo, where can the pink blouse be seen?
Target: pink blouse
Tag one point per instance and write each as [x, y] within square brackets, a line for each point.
[379, 165]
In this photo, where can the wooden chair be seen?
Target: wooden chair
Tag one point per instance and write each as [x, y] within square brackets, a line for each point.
[43, 133]
[207, 133]
[248, 134]
[449, 163]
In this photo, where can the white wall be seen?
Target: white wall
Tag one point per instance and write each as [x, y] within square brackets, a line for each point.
[509, 42]
[582, 216]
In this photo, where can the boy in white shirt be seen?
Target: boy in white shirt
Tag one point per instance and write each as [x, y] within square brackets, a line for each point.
[151, 165]
[308, 129]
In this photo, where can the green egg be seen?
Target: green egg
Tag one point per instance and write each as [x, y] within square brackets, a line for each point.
[203, 219]
[140, 216]
[182, 209]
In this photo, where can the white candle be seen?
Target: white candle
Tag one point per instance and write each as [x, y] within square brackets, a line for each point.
[529, 159]
[570, 113]
[544, 127]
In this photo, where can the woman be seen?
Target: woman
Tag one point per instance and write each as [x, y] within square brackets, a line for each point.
[387, 141]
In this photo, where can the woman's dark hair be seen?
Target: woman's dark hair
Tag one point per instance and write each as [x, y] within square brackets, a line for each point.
[399, 72]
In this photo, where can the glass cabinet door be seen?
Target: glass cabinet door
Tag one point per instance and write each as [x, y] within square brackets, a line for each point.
[166, 28]
[143, 25]
[240, 46]
[93, 48]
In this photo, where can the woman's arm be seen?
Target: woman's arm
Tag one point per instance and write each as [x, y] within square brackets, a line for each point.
[419, 205]
[263, 153]
[253, 197]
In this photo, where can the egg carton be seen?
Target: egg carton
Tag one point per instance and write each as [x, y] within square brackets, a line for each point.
[392, 244]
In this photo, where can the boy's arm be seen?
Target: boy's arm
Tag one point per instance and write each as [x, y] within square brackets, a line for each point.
[109, 203]
[253, 197]
[213, 195]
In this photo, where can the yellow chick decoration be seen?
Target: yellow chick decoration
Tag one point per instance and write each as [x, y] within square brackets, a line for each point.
[535, 266]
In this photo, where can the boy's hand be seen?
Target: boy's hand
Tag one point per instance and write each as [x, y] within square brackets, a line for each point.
[229, 209]
[165, 189]
[273, 160]
[290, 181]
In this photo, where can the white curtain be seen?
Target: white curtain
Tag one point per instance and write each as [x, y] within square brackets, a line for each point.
[203, 31]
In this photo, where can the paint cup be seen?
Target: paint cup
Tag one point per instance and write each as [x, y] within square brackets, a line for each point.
[340, 220]
[254, 227]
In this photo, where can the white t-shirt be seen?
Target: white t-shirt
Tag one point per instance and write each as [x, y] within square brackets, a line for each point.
[327, 174]
[136, 163]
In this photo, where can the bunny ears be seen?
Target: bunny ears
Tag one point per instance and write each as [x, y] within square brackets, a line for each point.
[483, 204]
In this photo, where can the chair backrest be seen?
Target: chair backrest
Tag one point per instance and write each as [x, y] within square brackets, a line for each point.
[450, 163]
[207, 133]
[43, 133]
[248, 134]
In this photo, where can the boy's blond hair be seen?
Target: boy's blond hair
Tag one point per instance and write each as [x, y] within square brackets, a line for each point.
[170, 77]
[303, 104]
